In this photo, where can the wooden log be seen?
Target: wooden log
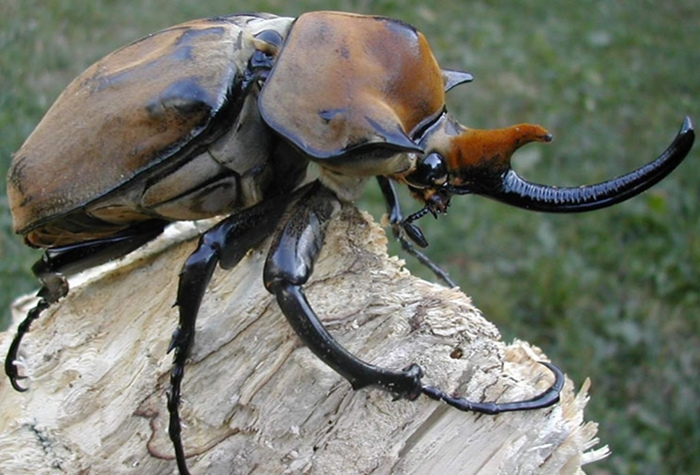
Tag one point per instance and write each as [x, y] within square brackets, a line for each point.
[256, 401]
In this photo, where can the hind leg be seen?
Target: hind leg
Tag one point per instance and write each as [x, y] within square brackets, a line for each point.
[58, 262]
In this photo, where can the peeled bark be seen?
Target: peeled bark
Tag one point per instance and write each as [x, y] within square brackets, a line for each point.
[255, 399]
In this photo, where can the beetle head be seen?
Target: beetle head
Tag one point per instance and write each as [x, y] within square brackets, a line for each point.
[459, 161]
[364, 96]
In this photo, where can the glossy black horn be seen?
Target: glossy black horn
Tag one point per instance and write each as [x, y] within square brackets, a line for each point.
[519, 192]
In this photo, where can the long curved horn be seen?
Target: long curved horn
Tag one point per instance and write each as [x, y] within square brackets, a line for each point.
[514, 190]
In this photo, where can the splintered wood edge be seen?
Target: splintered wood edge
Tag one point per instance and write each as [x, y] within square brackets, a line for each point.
[255, 398]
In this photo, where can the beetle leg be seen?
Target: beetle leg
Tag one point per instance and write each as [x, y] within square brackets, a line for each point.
[225, 244]
[402, 228]
[542, 400]
[194, 278]
[294, 250]
[60, 261]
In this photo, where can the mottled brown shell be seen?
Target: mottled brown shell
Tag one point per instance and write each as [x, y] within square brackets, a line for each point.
[345, 81]
[125, 139]
[125, 115]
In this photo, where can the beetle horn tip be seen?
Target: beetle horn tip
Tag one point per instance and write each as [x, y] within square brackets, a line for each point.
[454, 78]
[687, 125]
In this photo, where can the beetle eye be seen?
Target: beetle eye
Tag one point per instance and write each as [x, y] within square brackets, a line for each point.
[430, 171]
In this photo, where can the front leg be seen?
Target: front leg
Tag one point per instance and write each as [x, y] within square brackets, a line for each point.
[404, 230]
[289, 265]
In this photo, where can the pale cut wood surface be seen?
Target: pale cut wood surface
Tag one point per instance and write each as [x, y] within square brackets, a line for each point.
[255, 400]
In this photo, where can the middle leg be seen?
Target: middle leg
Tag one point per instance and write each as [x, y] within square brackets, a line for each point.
[225, 244]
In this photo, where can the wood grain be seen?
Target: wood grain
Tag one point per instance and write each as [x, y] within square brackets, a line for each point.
[256, 401]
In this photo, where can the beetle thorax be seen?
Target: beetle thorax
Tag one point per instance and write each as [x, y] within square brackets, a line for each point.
[348, 176]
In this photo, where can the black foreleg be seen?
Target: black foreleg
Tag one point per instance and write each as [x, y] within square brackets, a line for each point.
[292, 301]
[290, 264]
[544, 399]
[403, 229]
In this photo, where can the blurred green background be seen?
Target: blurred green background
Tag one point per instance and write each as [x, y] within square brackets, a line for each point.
[612, 295]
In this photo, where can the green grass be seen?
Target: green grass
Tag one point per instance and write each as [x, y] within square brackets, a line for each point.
[613, 295]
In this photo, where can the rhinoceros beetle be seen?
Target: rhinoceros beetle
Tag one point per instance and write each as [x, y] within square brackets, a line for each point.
[222, 116]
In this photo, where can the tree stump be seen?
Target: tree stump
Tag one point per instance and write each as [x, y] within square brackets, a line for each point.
[255, 400]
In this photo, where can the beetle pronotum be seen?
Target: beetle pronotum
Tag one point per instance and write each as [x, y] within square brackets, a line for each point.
[222, 116]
